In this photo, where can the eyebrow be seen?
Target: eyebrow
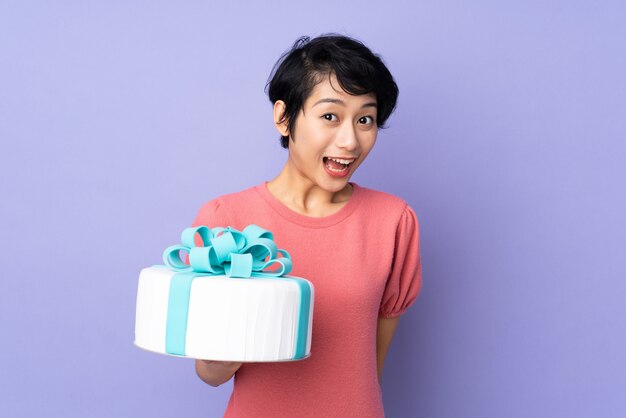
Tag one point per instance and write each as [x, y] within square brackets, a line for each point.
[341, 102]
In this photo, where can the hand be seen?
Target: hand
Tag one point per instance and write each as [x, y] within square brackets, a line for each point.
[214, 372]
[220, 367]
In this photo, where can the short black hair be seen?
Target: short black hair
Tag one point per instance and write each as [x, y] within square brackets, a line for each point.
[358, 70]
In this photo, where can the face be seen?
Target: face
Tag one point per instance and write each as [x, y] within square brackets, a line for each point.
[333, 125]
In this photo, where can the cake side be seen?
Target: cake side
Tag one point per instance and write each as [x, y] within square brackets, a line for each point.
[242, 319]
[233, 319]
[151, 314]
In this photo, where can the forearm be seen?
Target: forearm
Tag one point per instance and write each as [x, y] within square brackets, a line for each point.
[216, 373]
[385, 331]
[380, 362]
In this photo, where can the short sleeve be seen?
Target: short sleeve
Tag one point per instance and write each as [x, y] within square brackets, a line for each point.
[211, 215]
[405, 280]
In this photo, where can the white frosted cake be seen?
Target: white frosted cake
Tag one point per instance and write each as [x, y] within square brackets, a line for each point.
[220, 317]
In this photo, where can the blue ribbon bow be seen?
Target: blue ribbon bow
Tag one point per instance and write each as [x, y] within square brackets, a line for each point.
[227, 251]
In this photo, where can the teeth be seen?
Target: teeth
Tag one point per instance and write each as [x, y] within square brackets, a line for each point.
[346, 162]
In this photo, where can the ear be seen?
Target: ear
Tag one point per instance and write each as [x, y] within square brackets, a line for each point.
[279, 110]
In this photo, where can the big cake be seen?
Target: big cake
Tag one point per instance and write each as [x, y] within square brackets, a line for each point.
[225, 305]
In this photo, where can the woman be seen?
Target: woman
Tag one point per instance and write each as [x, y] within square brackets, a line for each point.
[359, 247]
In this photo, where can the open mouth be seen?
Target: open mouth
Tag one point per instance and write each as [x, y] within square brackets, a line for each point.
[337, 165]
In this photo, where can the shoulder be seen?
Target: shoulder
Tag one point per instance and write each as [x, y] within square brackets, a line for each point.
[216, 209]
[380, 202]
[228, 199]
[245, 195]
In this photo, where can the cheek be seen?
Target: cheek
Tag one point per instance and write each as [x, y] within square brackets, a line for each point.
[368, 143]
[306, 155]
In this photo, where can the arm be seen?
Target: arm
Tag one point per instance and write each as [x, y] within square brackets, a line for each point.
[385, 330]
[215, 373]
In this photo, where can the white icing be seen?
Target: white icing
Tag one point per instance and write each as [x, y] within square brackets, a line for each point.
[229, 319]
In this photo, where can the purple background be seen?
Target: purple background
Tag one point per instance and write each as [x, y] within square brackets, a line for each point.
[118, 120]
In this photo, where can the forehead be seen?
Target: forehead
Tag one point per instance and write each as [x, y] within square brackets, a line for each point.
[329, 88]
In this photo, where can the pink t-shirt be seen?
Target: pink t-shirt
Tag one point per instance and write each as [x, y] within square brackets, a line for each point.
[364, 263]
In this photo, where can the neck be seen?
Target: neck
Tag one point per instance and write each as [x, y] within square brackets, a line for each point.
[303, 194]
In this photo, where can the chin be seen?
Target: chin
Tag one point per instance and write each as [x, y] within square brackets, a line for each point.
[334, 186]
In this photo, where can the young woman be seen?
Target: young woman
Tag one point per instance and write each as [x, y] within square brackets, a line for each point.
[359, 247]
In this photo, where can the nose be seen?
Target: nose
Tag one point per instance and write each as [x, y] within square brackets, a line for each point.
[347, 138]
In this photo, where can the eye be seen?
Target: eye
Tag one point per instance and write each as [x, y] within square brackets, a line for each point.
[329, 117]
[365, 118]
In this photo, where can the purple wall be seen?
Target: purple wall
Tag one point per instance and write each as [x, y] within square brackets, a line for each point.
[117, 122]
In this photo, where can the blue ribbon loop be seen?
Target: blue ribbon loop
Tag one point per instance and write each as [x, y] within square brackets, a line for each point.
[233, 253]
